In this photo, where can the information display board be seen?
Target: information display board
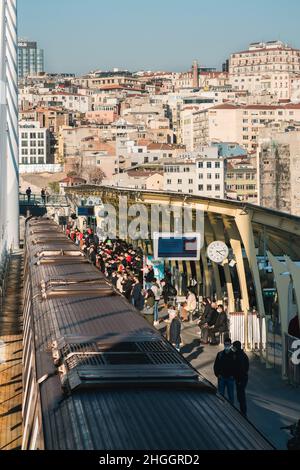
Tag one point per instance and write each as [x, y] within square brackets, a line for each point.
[85, 211]
[171, 246]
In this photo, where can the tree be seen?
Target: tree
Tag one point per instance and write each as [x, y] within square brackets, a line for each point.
[93, 174]
[54, 187]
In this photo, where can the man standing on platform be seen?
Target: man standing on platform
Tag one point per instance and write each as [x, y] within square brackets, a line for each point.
[241, 376]
[225, 370]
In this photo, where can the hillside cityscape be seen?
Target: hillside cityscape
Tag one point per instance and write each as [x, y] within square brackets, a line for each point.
[149, 232]
[222, 134]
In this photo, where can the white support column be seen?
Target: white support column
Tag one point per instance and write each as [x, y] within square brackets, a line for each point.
[12, 124]
[3, 119]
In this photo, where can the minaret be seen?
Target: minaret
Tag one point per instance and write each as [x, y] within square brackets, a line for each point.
[195, 74]
[12, 125]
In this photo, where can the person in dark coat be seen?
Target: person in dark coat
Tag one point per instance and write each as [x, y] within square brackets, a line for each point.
[149, 277]
[28, 193]
[138, 299]
[206, 306]
[168, 291]
[241, 375]
[210, 320]
[220, 326]
[225, 370]
[127, 286]
[93, 256]
[175, 330]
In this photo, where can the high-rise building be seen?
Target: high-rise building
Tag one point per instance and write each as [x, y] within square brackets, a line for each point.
[30, 59]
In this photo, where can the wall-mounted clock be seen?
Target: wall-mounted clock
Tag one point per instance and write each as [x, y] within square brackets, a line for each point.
[217, 252]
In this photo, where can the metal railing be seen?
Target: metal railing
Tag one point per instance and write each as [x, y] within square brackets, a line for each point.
[51, 200]
[291, 356]
[256, 330]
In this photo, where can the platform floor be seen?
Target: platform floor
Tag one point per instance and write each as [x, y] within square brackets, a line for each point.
[272, 402]
[11, 349]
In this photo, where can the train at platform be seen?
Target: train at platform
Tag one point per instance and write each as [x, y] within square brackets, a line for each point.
[98, 376]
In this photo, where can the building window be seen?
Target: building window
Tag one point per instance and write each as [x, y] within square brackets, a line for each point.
[217, 187]
[217, 176]
[191, 181]
[209, 187]
[169, 181]
[200, 187]
[200, 176]
[179, 181]
[209, 165]
[200, 164]
[209, 176]
[217, 165]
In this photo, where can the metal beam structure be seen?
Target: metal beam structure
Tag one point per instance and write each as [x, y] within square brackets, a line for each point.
[248, 230]
[9, 155]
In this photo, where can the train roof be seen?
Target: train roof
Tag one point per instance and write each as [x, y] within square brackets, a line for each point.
[108, 380]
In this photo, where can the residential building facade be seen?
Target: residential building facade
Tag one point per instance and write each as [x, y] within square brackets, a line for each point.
[34, 144]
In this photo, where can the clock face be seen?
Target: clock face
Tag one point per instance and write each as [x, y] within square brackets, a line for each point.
[217, 252]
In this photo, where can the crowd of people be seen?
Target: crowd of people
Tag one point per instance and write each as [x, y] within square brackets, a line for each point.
[123, 266]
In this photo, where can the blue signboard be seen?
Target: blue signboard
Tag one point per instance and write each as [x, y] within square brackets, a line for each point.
[85, 211]
[171, 246]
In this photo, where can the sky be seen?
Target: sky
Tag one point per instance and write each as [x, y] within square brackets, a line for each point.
[83, 35]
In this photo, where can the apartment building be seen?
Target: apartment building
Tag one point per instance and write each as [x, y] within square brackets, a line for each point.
[241, 179]
[265, 66]
[105, 114]
[242, 124]
[196, 174]
[34, 144]
[139, 178]
[71, 101]
[102, 79]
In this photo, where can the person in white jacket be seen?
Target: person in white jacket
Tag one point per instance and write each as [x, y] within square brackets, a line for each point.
[190, 307]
